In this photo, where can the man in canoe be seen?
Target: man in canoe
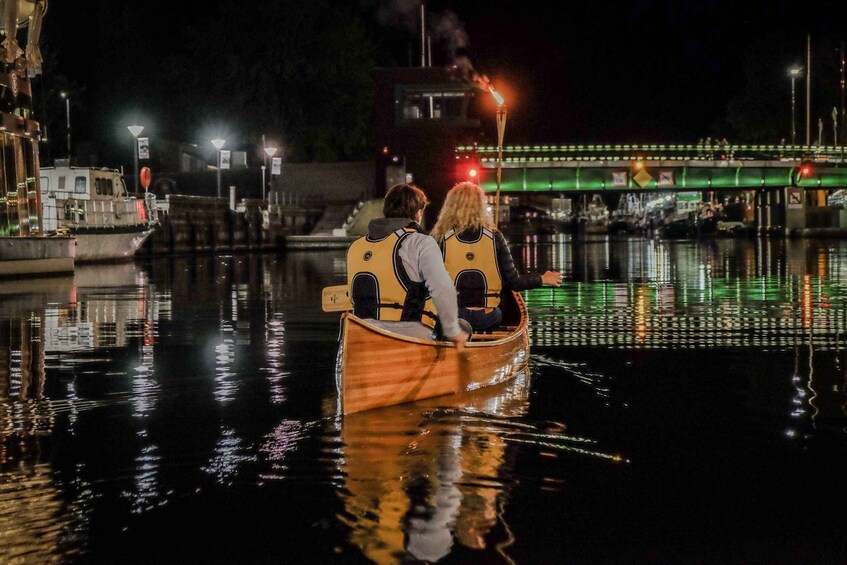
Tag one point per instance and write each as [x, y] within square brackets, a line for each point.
[397, 267]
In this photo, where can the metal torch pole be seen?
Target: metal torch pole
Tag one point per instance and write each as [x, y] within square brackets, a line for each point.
[135, 160]
[501, 129]
[219, 173]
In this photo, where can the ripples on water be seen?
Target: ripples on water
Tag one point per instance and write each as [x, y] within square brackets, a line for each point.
[686, 404]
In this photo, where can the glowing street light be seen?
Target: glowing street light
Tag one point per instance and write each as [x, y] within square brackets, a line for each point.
[793, 73]
[67, 98]
[135, 131]
[219, 143]
[270, 152]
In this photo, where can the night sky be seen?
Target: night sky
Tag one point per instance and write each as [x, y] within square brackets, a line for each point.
[573, 72]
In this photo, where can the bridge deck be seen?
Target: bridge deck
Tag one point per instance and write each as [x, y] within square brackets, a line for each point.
[593, 168]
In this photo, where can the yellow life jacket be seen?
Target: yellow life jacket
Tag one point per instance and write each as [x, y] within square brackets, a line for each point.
[378, 284]
[474, 269]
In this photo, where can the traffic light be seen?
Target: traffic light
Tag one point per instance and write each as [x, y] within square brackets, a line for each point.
[638, 165]
[389, 157]
[804, 171]
[468, 169]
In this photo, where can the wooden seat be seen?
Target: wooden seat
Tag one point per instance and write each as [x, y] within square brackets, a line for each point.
[490, 335]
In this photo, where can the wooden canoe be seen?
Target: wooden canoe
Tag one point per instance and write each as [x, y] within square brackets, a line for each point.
[379, 368]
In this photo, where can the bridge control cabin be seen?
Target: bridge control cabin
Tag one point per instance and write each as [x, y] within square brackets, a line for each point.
[420, 115]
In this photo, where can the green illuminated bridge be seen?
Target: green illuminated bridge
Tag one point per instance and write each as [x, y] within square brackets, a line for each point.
[634, 168]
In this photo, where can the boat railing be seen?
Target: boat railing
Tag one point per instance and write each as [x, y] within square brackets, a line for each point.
[103, 213]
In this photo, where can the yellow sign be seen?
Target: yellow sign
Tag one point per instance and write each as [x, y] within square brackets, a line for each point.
[642, 177]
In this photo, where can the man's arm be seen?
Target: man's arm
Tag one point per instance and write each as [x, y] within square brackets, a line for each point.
[430, 268]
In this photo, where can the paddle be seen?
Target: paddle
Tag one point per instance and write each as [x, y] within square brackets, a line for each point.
[335, 299]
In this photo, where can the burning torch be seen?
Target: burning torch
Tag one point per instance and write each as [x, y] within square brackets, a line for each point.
[501, 129]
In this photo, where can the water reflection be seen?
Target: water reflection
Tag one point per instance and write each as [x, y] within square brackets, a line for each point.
[431, 477]
[421, 479]
[720, 293]
[98, 348]
[131, 391]
[37, 522]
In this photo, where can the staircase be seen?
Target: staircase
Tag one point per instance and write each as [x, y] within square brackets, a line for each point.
[335, 216]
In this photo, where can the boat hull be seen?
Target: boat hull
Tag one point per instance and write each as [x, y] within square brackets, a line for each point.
[379, 368]
[110, 244]
[38, 255]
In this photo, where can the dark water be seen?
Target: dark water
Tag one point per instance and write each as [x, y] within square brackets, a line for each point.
[686, 405]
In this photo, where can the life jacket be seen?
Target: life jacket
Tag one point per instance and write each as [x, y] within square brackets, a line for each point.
[378, 284]
[474, 268]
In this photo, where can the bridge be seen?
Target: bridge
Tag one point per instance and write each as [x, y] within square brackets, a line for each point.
[635, 168]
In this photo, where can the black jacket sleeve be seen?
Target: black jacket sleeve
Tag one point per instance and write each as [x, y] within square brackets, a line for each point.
[511, 278]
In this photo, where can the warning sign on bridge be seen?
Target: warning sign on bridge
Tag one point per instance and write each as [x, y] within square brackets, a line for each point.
[642, 178]
[795, 198]
[619, 178]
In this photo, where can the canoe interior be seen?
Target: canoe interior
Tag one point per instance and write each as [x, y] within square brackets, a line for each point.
[378, 368]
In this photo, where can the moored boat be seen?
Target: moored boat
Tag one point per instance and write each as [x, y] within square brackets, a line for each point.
[93, 205]
[379, 368]
[25, 249]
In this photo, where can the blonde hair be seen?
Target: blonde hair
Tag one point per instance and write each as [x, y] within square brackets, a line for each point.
[464, 208]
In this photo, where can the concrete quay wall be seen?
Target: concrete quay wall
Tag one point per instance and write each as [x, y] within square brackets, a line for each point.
[201, 224]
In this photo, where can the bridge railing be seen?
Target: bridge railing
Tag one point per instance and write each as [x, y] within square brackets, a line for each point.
[703, 152]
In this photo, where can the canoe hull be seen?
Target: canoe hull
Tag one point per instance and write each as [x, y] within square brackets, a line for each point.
[380, 368]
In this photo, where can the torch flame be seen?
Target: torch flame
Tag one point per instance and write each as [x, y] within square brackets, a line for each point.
[496, 96]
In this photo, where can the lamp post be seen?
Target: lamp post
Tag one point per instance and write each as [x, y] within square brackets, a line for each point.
[269, 152]
[66, 97]
[219, 143]
[794, 73]
[501, 129]
[135, 131]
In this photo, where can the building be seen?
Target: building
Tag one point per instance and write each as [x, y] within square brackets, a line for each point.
[420, 115]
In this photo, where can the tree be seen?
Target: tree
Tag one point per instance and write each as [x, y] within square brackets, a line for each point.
[296, 70]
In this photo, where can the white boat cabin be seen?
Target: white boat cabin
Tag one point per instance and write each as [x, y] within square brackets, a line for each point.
[83, 197]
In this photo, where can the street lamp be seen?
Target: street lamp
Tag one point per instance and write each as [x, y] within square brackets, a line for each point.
[219, 143]
[794, 73]
[501, 129]
[270, 152]
[67, 98]
[135, 131]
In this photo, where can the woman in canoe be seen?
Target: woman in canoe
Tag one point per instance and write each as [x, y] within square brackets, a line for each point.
[477, 257]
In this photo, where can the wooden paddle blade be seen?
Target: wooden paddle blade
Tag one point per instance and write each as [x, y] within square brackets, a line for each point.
[336, 299]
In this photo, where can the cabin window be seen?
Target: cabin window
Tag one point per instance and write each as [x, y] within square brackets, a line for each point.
[79, 185]
[45, 184]
[422, 103]
[103, 186]
[62, 181]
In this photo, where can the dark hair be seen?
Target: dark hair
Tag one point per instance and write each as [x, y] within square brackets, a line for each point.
[403, 201]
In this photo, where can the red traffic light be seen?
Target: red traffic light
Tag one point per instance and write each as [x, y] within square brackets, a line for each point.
[468, 170]
[805, 170]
